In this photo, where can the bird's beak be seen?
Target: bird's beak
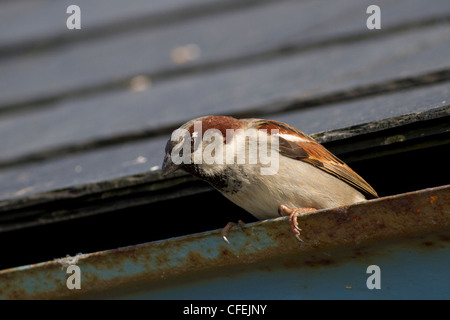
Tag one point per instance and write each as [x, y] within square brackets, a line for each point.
[168, 166]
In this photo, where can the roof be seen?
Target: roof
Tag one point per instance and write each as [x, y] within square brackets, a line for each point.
[85, 114]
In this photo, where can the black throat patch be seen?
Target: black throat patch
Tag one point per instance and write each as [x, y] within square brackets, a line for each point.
[228, 181]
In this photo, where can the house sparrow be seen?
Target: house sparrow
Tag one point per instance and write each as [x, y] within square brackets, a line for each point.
[305, 177]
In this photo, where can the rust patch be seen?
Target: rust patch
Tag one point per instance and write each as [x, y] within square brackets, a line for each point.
[400, 204]
[162, 259]
[194, 258]
[433, 199]
[291, 263]
[279, 236]
[319, 262]
[445, 238]
[359, 252]
[340, 214]
[18, 294]
[225, 253]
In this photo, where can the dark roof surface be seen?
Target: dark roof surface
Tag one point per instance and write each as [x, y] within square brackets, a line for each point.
[85, 114]
[71, 113]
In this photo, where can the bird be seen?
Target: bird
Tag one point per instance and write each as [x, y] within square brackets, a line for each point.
[266, 167]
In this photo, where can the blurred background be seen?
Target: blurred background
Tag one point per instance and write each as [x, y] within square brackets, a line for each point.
[85, 113]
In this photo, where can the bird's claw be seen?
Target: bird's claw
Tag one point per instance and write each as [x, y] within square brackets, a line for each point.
[227, 228]
[293, 215]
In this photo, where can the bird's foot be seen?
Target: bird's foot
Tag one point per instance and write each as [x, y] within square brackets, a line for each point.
[293, 215]
[227, 228]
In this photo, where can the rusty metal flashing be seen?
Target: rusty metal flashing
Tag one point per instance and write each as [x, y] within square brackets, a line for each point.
[392, 217]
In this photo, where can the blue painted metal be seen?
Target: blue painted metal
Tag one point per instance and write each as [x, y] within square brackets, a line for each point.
[407, 271]
[407, 236]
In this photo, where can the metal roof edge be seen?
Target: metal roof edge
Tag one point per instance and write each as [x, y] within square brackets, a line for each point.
[371, 221]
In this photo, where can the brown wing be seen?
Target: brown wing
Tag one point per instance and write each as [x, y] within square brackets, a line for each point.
[312, 152]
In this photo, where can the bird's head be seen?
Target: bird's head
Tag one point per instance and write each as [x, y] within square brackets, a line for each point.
[198, 146]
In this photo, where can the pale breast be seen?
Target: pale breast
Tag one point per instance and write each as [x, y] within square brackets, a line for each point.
[296, 184]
